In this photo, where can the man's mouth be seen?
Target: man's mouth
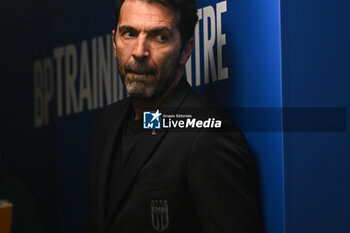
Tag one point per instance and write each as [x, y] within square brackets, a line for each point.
[138, 77]
[140, 73]
[140, 70]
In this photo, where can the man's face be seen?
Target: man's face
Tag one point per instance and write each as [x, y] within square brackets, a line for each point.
[148, 48]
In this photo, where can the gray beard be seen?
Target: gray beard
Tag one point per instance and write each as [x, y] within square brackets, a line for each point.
[138, 89]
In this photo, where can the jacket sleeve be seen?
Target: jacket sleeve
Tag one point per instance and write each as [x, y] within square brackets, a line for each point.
[223, 184]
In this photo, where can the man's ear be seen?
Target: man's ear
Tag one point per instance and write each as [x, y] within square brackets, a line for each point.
[114, 42]
[186, 51]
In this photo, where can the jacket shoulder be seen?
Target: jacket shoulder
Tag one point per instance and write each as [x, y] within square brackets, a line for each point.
[113, 109]
[106, 117]
[201, 108]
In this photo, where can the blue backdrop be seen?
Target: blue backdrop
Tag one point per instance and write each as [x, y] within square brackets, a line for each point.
[315, 71]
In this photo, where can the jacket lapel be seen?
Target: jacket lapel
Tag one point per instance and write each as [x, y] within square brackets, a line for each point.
[107, 154]
[146, 146]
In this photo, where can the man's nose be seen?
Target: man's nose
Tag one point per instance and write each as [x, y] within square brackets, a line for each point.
[141, 50]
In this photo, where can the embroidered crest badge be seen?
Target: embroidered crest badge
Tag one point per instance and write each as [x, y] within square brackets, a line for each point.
[160, 214]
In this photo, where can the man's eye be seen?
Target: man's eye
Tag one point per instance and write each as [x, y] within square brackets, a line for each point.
[129, 34]
[162, 38]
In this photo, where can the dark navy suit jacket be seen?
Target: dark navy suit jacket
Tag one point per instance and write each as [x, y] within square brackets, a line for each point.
[199, 181]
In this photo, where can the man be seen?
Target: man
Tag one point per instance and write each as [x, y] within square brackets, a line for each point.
[165, 181]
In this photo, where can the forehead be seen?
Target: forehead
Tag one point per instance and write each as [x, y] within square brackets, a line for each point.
[146, 15]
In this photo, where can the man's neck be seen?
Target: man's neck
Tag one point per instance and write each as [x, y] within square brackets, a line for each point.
[152, 104]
